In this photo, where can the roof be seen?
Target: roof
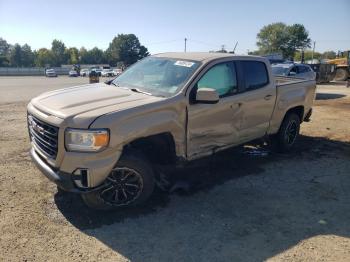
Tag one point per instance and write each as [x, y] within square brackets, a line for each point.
[196, 56]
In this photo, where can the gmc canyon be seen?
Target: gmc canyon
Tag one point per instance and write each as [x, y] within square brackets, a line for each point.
[103, 140]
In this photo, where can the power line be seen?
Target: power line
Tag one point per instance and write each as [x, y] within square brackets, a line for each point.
[212, 44]
[163, 42]
[204, 43]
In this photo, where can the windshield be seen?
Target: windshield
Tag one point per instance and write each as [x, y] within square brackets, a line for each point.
[280, 70]
[157, 76]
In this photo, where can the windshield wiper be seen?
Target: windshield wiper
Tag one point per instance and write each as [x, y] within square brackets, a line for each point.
[140, 91]
[112, 83]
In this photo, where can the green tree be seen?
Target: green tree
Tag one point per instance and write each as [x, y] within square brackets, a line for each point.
[15, 56]
[83, 55]
[298, 39]
[283, 39]
[307, 55]
[73, 55]
[4, 47]
[27, 57]
[44, 58]
[59, 56]
[329, 55]
[4, 52]
[95, 56]
[125, 48]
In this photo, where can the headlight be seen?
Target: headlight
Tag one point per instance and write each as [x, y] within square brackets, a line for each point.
[86, 140]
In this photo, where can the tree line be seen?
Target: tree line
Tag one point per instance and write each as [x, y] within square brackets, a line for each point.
[125, 49]
[289, 41]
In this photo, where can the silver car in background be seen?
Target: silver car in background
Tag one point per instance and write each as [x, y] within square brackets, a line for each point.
[50, 73]
[294, 70]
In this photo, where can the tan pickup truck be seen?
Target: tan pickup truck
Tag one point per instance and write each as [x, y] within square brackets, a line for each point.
[104, 140]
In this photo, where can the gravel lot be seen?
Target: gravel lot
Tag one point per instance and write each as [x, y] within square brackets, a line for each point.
[241, 205]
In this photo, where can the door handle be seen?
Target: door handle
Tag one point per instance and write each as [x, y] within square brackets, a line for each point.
[267, 97]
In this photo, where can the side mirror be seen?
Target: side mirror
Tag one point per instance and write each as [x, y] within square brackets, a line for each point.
[207, 96]
[292, 73]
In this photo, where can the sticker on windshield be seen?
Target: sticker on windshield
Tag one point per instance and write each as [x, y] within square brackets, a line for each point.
[184, 63]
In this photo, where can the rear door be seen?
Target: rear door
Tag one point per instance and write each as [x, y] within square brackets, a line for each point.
[257, 100]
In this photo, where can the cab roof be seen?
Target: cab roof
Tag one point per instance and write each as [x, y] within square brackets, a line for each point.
[197, 56]
[203, 56]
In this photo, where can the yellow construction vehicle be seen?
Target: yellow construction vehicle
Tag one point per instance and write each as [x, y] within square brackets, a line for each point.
[342, 63]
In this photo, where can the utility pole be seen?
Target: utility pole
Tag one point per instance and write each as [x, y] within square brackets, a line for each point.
[223, 48]
[313, 51]
[185, 44]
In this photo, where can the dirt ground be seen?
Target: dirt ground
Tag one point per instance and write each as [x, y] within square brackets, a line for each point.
[241, 205]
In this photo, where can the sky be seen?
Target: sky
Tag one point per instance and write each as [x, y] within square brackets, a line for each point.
[162, 25]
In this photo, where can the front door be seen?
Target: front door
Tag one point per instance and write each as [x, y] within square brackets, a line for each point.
[213, 126]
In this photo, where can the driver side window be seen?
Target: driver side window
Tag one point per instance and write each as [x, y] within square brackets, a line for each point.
[293, 71]
[222, 78]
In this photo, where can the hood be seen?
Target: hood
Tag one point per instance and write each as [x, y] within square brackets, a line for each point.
[90, 100]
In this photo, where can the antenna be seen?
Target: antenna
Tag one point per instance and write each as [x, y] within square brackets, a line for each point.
[234, 49]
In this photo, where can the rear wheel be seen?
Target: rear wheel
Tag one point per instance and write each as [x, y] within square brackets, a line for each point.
[286, 137]
[130, 183]
[341, 74]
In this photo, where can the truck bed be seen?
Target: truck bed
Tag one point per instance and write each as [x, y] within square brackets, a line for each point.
[291, 92]
[287, 80]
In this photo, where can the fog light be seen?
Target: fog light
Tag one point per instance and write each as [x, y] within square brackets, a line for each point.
[81, 177]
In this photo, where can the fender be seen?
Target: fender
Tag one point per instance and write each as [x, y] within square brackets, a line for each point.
[166, 116]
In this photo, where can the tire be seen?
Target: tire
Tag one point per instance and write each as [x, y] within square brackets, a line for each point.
[288, 133]
[133, 166]
[341, 74]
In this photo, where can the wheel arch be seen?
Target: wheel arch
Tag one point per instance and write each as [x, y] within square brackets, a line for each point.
[158, 148]
[298, 110]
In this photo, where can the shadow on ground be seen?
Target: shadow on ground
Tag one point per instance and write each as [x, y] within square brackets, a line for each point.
[334, 83]
[328, 96]
[254, 214]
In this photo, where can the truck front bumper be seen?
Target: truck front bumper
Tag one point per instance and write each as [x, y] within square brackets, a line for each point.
[63, 180]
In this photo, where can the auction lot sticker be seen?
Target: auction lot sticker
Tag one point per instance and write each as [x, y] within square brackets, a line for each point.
[184, 63]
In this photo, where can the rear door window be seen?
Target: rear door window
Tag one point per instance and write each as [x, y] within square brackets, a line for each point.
[303, 69]
[255, 74]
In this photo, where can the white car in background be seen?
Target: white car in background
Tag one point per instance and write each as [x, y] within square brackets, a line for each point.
[294, 70]
[84, 72]
[107, 73]
[117, 71]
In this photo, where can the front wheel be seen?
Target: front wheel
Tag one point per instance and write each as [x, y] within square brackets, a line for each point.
[286, 137]
[130, 183]
[341, 74]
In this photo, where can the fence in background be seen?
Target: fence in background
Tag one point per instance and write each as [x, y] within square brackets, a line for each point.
[30, 71]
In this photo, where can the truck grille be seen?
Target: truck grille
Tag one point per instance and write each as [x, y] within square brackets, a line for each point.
[44, 136]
